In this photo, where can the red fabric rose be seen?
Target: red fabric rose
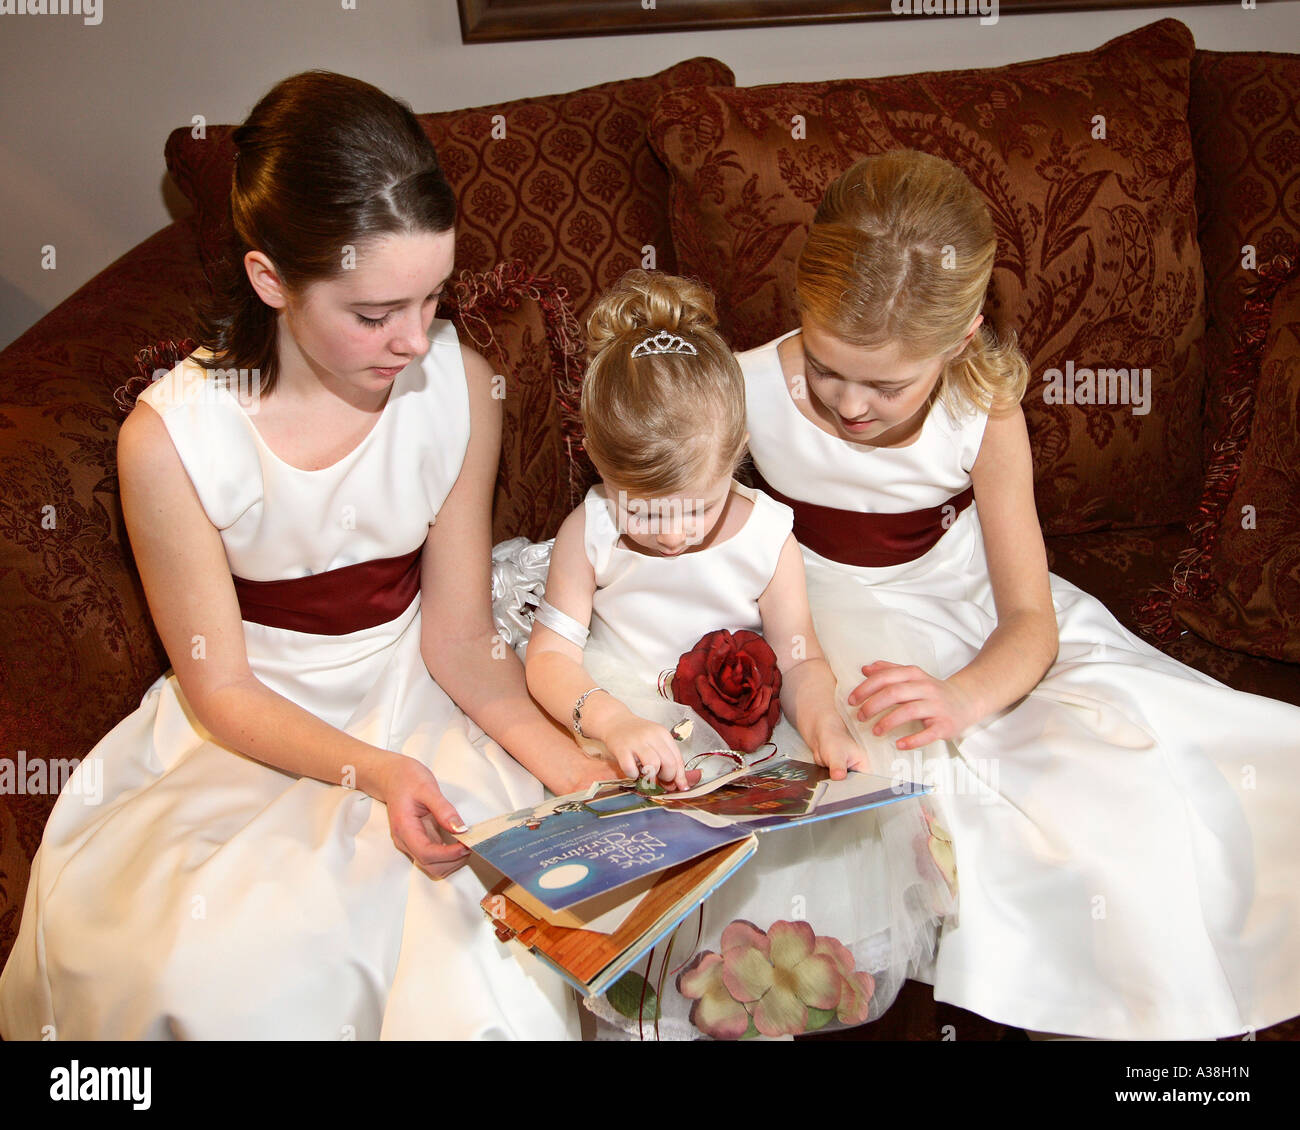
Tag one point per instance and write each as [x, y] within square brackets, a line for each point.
[732, 681]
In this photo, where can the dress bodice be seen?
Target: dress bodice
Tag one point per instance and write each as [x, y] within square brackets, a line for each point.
[650, 610]
[803, 462]
[278, 521]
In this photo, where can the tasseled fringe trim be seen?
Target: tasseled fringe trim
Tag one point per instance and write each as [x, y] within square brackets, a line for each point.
[1192, 578]
[161, 357]
[478, 294]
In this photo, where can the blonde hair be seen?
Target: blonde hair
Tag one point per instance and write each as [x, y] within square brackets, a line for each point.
[660, 423]
[901, 250]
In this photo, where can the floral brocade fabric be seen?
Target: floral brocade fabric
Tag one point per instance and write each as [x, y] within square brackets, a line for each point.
[1246, 597]
[522, 324]
[1245, 117]
[1097, 264]
[566, 183]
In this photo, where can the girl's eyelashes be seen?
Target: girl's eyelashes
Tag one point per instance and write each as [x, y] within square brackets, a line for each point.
[886, 392]
[375, 323]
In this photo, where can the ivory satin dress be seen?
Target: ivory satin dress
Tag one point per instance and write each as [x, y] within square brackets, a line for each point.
[863, 888]
[1126, 836]
[209, 896]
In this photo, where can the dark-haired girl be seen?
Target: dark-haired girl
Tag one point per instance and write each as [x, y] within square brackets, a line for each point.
[308, 500]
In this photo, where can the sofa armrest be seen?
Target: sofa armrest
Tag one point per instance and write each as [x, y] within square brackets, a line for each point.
[78, 646]
[85, 347]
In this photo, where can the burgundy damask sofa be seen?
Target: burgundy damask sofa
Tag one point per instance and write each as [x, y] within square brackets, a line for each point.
[1168, 238]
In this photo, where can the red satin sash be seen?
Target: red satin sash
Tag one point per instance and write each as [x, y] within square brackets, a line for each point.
[869, 540]
[337, 601]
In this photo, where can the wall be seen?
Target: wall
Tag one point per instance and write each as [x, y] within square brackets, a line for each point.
[86, 109]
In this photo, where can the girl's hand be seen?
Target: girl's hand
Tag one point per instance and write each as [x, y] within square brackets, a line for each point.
[417, 813]
[841, 755]
[646, 749]
[580, 771]
[907, 694]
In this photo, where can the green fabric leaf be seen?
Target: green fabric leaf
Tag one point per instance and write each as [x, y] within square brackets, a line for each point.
[819, 1017]
[625, 995]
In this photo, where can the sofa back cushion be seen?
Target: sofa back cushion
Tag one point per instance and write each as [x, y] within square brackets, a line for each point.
[1097, 262]
[523, 325]
[1240, 586]
[566, 183]
[1245, 118]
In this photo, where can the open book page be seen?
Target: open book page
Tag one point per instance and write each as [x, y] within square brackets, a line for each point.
[575, 848]
[787, 792]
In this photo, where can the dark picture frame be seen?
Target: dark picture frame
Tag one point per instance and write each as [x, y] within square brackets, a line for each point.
[491, 21]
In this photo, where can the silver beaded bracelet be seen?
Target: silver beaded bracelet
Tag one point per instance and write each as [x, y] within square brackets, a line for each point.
[577, 709]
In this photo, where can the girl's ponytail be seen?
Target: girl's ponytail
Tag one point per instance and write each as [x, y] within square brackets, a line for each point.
[991, 373]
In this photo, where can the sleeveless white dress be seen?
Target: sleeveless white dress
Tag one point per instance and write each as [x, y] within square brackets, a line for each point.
[866, 881]
[1126, 837]
[208, 896]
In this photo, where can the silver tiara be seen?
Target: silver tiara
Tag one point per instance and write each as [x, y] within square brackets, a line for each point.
[663, 342]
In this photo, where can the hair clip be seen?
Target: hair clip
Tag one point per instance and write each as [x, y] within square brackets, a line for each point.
[663, 342]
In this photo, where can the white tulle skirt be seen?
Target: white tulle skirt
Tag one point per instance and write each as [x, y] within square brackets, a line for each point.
[817, 930]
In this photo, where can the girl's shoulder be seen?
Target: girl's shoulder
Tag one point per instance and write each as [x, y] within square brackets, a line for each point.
[576, 521]
[766, 529]
[767, 512]
[959, 427]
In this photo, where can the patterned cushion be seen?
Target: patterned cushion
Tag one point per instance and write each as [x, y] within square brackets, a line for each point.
[1098, 260]
[1247, 596]
[522, 324]
[572, 189]
[79, 647]
[1245, 113]
[1115, 566]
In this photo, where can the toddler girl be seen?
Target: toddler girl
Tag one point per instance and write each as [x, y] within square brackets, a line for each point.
[665, 549]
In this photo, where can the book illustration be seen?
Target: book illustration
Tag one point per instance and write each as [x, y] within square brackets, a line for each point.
[787, 788]
[569, 854]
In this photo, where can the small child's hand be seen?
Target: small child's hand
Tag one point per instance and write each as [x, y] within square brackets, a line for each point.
[841, 755]
[908, 694]
[579, 772]
[646, 749]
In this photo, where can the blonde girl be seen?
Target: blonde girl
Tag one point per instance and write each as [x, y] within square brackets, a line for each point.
[1119, 876]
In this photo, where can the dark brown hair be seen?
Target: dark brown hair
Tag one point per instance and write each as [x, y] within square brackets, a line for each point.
[323, 161]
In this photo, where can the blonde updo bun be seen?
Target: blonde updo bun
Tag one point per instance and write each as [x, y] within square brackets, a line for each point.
[645, 302]
[660, 422]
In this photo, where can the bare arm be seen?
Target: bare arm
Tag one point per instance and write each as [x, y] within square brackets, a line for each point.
[200, 624]
[201, 628]
[1023, 645]
[557, 677]
[807, 682]
[460, 644]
